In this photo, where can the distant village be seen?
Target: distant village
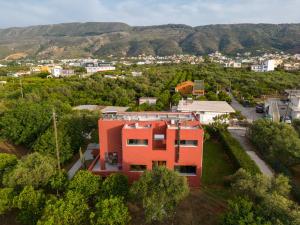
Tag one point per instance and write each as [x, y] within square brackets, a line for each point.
[63, 68]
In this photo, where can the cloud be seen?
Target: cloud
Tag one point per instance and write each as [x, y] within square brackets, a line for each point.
[148, 12]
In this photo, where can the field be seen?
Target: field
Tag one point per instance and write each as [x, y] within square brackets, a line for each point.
[205, 205]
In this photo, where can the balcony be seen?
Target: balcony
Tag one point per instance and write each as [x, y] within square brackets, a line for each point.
[109, 167]
[159, 142]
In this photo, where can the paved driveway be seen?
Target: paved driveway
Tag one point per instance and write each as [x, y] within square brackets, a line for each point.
[239, 133]
[248, 112]
[87, 156]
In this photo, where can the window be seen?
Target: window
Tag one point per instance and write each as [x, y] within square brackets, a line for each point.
[158, 163]
[138, 167]
[138, 142]
[186, 170]
[159, 137]
[189, 143]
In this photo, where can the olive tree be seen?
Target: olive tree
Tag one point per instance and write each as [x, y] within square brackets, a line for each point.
[111, 211]
[85, 183]
[71, 210]
[33, 170]
[115, 185]
[159, 191]
[7, 162]
[6, 199]
[30, 203]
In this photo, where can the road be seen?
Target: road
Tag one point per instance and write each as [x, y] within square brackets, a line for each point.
[239, 133]
[248, 112]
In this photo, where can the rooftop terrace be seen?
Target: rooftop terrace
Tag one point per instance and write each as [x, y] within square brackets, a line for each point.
[152, 116]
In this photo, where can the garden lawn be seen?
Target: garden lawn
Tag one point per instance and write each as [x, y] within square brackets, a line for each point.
[216, 164]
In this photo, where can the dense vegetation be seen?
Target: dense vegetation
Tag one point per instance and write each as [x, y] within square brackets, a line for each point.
[261, 200]
[41, 194]
[28, 121]
[82, 39]
[279, 145]
[237, 153]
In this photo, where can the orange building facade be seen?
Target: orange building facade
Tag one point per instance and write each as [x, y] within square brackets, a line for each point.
[133, 142]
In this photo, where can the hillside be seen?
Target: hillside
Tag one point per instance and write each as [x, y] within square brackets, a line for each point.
[98, 39]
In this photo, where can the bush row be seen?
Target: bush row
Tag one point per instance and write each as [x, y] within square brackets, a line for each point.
[237, 153]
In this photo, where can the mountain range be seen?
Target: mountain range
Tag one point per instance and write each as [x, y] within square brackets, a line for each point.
[96, 39]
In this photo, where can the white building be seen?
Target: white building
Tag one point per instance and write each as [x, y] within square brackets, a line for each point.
[233, 64]
[294, 106]
[56, 71]
[98, 67]
[205, 110]
[147, 100]
[136, 74]
[266, 66]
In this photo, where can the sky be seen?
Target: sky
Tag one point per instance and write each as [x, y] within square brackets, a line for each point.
[16, 13]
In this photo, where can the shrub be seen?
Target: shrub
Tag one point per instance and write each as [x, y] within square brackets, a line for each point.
[237, 153]
[116, 185]
[6, 199]
[30, 204]
[33, 170]
[7, 162]
[85, 183]
[111, 211]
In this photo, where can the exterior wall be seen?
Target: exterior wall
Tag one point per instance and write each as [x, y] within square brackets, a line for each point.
[295, 114]
[295, 101]
[150, 101]
[208, 117]
[99, 69]
[113, 136]
[110, 130]
[56, 72]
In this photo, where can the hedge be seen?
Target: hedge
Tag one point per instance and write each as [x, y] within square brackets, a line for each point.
[237, 153]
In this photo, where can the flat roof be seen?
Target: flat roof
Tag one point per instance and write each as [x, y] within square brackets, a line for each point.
[114, 109]
[88, 107]
[204, 106]
[153, 116]
[103, 109]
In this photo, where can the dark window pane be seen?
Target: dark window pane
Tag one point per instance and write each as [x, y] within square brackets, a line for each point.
[137, 142]
[138, 167]
[186, 169]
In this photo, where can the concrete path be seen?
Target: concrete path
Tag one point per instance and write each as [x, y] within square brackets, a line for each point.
[87, 156]
[239, 133]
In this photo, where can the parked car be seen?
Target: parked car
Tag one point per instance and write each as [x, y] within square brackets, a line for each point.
[260, 108]
[246, 103]
[286, 119]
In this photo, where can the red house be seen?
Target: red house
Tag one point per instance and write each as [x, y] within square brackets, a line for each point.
[133, 142]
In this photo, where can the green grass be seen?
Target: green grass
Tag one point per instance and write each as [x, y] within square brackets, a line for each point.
[216, 164]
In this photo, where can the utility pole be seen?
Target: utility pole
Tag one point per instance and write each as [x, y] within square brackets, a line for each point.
[21, 86]
[56, 138]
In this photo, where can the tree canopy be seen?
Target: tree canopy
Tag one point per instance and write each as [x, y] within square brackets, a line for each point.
[34, 170]
[159, 191]
[110, 211]
[264, 201]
